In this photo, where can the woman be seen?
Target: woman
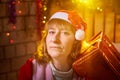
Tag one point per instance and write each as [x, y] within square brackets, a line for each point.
[59, 47]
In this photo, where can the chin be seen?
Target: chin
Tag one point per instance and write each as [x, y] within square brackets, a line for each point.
[55, 54]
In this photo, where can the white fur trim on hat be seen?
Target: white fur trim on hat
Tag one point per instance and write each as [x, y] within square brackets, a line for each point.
[60, 15]
[79, 35]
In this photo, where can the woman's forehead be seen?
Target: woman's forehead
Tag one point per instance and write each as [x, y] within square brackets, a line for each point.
[60, 25]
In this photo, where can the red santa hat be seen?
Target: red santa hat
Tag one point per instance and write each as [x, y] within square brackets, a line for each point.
[73, 18]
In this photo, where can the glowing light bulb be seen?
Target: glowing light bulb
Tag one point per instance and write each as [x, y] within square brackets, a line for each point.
[110, 45]
[19, 2]
[13, 27]
[40, 5]
[20, 12]
[13, 2]
[101, 10]
[44, 17]
[98, 8]
[7, 34]
[45, 8]
[43, 21]
[11, 41]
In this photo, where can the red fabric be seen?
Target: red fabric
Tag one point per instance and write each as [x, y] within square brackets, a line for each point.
[25, 72]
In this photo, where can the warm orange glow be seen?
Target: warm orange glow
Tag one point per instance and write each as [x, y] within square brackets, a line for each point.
[20, 12]
[45, 8]
[100, 9]
[85, 45]
[19, 2]
[14, 27]
[44, 17]
[91, 4]
[110, 45]
[44, 21]
[11, 41]
[13, 2]
[40, 5]
[8, 34]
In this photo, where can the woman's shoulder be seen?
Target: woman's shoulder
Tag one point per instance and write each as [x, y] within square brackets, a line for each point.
[27, 64]
[25, 72]
[36, 65]
[27, 69]
[30, 63]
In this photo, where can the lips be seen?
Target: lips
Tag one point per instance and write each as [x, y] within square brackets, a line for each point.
[55, 47]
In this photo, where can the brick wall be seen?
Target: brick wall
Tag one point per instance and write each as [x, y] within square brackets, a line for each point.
[13, 55]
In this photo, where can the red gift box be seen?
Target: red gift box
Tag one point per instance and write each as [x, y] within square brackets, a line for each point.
[100, 60]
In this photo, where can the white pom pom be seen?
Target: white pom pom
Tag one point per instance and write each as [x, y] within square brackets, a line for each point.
[79, 35]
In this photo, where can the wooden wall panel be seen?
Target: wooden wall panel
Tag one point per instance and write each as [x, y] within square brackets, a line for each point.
[109, 25]
[99, 22]
[117, 29]
[89, 18]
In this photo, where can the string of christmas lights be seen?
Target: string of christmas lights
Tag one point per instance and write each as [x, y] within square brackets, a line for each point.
[41, 18]
[12, 11]
[11, 4]
[12, 14]
[41, 6]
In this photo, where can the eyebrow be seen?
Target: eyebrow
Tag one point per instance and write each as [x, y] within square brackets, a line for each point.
[51, 28]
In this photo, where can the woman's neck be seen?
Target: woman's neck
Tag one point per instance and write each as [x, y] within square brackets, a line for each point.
[62, 64]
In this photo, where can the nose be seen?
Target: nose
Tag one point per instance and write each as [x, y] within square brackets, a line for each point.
[56, 37]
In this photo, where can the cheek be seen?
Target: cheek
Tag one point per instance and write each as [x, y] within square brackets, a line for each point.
[68, 40]
[68, 44]
[47, 41]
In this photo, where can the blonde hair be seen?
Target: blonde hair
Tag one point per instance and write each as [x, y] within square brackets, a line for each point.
[42, 55]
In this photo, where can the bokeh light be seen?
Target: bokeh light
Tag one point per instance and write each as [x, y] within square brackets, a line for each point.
[8, 34]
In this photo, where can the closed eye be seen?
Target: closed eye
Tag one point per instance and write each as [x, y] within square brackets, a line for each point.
[51, 32]
[65, 32]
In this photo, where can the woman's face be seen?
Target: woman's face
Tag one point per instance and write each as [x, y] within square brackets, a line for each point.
[59, 40]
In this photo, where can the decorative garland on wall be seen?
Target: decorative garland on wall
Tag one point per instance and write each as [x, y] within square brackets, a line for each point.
[12, 11]
[41, 15]
[11, 5]
[12, 14]
[41, 10]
